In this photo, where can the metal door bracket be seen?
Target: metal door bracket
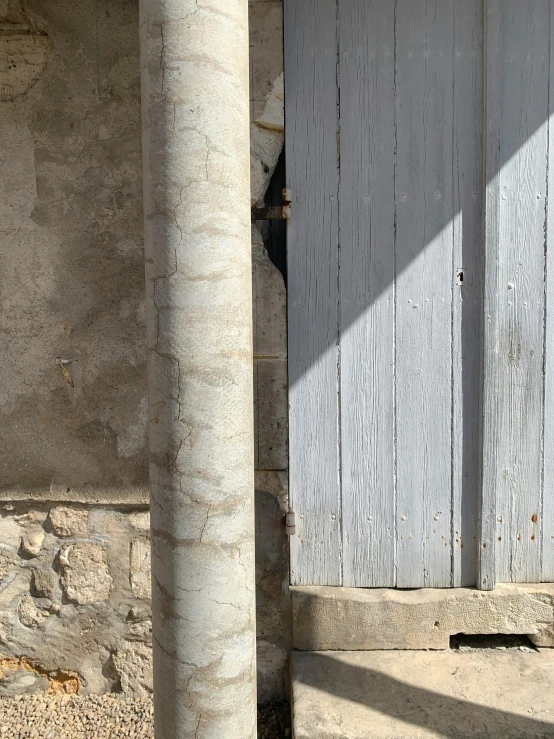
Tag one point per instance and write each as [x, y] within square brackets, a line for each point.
[275, 212]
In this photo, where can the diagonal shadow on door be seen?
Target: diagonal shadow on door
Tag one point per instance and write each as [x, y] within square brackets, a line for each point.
[385, 275]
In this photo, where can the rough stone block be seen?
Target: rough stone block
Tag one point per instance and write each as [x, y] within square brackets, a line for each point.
[266, 48]
[327, 618]
[270, 379]
[30, 613]
[271, 414]
[269, 307]
[67, 522]
[44, 583]
[271, 663]
[272, 595]
[133, 663]
[272, 567]
[140, 631]
[265, 147]
[85, 575]
[139, 558]
[31, 543]
[272, 117]
[140, 520]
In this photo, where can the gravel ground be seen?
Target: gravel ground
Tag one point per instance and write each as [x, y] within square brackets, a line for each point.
[102, 717]
[75, 717]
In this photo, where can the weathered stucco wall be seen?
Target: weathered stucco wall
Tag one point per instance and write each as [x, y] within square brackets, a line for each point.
[71, 240]
[74, 560]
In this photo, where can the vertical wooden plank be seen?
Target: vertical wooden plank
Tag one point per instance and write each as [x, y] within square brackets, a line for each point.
[514, 294]
[548, 450]
[467, 285]
[424, 70]
[520, 304]
[312, 236]
[486, 545]
[367, 290]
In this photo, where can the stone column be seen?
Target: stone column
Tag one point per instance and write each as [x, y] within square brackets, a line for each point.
[194, 62]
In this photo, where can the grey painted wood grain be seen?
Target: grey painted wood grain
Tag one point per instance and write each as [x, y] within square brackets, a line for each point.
[367, 290]
[467, 284]
[312, 234]
[548, 448]
[486, 545]
[424, 69]
[373, 259]
[520, 300]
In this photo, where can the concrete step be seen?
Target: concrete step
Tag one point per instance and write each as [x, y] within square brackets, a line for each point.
[424, 695]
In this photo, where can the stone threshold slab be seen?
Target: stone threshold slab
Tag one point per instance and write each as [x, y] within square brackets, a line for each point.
[330, 618]
[423, 695]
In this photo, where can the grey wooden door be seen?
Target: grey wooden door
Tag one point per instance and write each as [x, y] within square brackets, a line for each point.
[420, 340]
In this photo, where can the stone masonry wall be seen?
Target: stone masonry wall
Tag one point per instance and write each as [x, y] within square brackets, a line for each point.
[75, 596]
[74, 550]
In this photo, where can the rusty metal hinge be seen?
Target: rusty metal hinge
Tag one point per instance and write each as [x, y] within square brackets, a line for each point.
[275, 212]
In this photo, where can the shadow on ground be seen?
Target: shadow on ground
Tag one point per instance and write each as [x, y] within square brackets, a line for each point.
[439, 714]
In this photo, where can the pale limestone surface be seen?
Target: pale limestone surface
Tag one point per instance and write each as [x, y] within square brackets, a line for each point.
[478, 694]
[70, 209]
[272, 116]
[133, 662]
[265, 147]
[68, 521]
[270, 360]
[327, 618]
[140, 563]
[271, 413]
[72, 281]
[269, 294]
[85, 575]
[195, 124]
[31, 543]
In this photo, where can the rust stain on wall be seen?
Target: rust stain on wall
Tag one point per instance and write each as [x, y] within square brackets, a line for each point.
[60, 681]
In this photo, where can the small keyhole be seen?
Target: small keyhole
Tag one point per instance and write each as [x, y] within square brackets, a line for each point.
[460, 276]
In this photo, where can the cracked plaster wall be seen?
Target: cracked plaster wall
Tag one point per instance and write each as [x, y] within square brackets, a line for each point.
[72, 386]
